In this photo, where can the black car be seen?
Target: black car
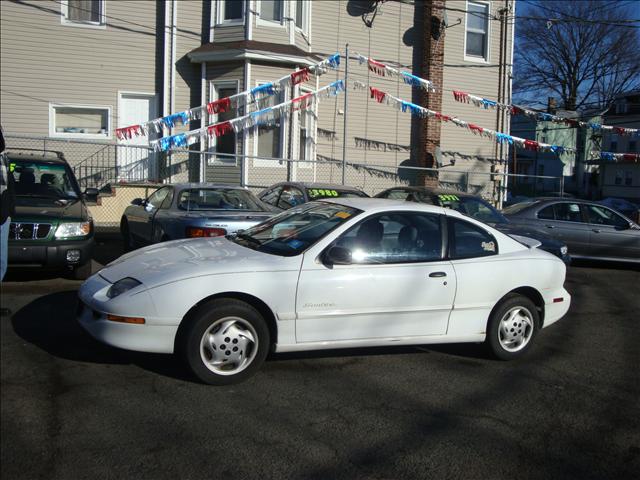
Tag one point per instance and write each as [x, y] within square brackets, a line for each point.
[476, 207]
[289, 194]
[591, 230]
[52, 227]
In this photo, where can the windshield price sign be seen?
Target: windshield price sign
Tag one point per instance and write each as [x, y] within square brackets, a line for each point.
[321, 192]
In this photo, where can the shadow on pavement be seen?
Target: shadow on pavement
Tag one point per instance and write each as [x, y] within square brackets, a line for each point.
[49, 323]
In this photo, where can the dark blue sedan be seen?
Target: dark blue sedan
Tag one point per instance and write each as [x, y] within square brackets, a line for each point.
[191, 210]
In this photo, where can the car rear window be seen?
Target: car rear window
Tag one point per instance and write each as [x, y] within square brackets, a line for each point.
[471, 207]
[217, 199]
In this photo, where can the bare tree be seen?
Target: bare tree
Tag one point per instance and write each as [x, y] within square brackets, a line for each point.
[584, 52]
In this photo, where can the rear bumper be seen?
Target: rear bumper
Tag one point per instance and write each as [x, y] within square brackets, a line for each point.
[555, 310]
[26, 254]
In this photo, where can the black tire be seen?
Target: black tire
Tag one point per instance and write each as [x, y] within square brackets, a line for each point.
[127, 241]
[521, 321]
[82, 272]
[233, 348]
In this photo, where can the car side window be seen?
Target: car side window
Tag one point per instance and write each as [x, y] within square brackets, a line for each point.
[467, 240]
[166, 203]
[395, 238]
[271, 196]
[546, 213]
[567, 212]
[157, 197]
[291, 196]
[604, 216]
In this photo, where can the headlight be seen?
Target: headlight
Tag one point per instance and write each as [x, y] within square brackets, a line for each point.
[564, 250]
[122, 286]
[75, 229]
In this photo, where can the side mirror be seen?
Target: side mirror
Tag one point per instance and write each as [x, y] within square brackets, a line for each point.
[137, 201]
[338, 256]
[91, 194]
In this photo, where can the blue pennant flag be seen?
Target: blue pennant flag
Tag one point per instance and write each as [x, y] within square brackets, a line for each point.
[267, 88]
[595, 126]
[608, 156]
[557, 149]
[410, 79]
[165, 143]
[179, 140]
[503, 137]
[334, 60]
[488, 103]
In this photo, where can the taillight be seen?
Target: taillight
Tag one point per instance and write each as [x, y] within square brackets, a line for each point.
[196, 232]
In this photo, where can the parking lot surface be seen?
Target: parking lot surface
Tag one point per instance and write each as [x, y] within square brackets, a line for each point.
[75, 408]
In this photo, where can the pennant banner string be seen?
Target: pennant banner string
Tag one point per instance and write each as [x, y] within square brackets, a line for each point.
[224, 104]
[266, 116]
[385, 70]
[417, 110]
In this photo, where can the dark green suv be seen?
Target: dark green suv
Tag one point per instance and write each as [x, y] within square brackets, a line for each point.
[52, 227]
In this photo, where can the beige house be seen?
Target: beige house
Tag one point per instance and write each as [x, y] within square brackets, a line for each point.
[77, 70]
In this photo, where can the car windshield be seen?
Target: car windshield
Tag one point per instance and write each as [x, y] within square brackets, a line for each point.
[218, 199]
[295, 230]
[39, 179]
[471, 207]
[319, 193]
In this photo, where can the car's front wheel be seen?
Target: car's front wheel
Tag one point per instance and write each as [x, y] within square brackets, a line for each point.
[512, 327]
[225, 342]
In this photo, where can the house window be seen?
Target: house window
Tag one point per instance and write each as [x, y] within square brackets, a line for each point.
[269, 136]
[477, 34]
[271, 10]
[230, 11]
[79, 121]
[225, 143]
[613, 147]
[301, 13]
[83, 12]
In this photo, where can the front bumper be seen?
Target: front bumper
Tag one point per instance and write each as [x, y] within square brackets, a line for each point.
[48, 254]
[154, 336]
[554, 311]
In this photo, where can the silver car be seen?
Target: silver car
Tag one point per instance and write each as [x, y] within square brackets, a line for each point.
[589, 229]
[189, 210]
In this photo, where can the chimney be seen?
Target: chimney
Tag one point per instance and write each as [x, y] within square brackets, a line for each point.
[431, 69]
[552, 107]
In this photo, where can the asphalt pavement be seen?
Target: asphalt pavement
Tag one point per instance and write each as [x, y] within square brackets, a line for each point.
[73, 408]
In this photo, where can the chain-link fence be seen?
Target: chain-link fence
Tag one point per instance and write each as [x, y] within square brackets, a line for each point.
[123, 172]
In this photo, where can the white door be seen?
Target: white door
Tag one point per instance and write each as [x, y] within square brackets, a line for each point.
[134, 164]
[397, 285]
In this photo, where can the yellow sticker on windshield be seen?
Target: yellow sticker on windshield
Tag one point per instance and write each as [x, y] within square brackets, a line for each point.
[321, 192]
[343, 215]
[448, 198]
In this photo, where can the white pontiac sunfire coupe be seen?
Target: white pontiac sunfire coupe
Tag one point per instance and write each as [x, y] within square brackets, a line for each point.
[329, 274]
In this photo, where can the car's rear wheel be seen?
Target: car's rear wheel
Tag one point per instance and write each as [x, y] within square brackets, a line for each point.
[512, 327]
[225, 342]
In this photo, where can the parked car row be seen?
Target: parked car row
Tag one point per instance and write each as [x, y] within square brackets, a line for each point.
[209, 210]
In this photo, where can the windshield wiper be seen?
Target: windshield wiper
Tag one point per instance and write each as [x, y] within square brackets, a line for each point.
[37, 195]
[248, 238]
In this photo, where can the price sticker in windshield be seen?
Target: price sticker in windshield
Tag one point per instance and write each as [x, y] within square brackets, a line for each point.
[448, 198]
[12, 167]
[343, 215]
[321, 192]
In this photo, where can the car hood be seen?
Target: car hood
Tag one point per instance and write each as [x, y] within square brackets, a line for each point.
[172, 261]
[543, 238]
[48, 210]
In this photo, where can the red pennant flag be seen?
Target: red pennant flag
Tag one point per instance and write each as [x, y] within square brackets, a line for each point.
[531, 145]
[516, 110]
[376, 67]
[300, 76]
[219, 129]
[475, 128]
[619, 131]
[302, 102]
[379, 95]
[219, 106]
[630, 157]
[570, 122]
[461, 96]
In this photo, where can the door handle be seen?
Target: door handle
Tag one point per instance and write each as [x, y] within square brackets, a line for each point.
[549, 226]
[595, 230]
[437, 274]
